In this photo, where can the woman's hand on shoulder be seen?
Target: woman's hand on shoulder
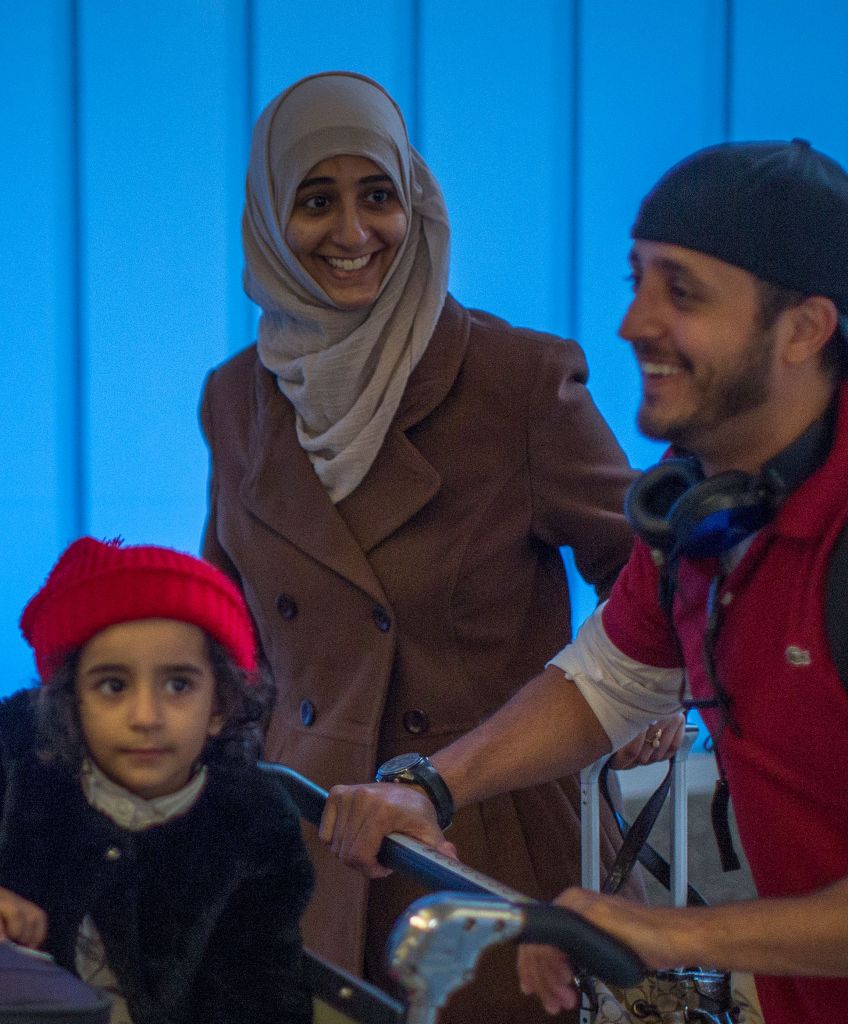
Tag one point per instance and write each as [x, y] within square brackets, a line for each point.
[21, 921]
[356, 819]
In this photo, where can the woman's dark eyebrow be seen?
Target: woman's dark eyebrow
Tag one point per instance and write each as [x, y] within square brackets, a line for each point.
[369, 179]
[309, 182]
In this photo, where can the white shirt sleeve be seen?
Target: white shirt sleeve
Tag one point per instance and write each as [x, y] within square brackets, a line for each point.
[625, 695]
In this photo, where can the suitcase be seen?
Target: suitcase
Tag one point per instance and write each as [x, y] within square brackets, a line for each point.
[708, 991]
[34, 990]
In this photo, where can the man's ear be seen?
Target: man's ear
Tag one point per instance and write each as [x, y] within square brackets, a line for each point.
[813, 322]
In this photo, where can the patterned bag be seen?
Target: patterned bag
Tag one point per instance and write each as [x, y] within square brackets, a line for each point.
[666, 997]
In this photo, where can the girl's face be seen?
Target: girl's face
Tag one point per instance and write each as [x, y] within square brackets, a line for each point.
[346, 227]
[147, 703]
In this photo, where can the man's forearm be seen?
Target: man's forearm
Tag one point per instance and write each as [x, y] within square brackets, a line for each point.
[803, 935]
[545, 731]
[800, 936]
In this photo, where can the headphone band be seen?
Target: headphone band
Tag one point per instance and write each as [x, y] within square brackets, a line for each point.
[678, 511]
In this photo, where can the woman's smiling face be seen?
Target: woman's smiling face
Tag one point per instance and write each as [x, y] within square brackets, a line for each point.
[346, 227]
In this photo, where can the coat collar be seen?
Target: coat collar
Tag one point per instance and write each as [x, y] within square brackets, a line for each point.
[282, 489]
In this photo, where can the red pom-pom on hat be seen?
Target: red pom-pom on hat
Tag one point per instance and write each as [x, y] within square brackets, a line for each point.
[95, 585]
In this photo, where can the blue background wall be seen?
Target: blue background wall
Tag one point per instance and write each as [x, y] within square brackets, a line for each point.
[125, 128]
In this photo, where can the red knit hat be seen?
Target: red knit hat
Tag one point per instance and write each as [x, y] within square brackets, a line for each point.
[95, 585]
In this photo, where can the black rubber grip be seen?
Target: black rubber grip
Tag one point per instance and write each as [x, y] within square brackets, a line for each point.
[587, 946]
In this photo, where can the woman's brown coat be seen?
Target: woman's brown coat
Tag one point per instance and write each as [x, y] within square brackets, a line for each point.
[400, 618]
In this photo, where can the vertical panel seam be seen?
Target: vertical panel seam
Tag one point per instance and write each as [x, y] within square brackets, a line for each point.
[77, 400]
[573, 283]
[249, 84]
[727, 111]
[249, 29]
[414, 125]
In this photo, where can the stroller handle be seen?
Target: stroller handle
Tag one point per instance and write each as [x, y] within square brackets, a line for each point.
[588, 947]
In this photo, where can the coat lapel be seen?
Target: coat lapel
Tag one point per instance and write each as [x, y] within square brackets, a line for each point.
[401, 481]
[283, 490]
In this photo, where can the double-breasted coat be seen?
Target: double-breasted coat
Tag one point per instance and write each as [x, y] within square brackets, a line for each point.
[399, 618]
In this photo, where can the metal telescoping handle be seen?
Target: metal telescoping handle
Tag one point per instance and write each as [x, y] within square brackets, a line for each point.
[680, 820]
[590, 826]
[587, 946]
[590, 798]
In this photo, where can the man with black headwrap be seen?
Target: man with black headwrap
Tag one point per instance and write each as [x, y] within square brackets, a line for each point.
[740, 272]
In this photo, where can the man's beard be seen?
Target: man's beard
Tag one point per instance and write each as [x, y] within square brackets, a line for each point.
[722, 394]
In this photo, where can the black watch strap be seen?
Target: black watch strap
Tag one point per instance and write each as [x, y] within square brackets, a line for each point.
[417, 770]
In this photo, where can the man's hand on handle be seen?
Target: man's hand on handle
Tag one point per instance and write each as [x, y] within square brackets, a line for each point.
[658, 742]
[356, 819]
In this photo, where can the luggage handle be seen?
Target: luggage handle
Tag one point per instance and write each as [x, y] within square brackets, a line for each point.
[588, 947]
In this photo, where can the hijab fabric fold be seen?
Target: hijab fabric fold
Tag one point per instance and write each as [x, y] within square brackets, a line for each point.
[343, 370]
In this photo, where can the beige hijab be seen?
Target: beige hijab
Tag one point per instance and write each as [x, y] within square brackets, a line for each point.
[344, 371]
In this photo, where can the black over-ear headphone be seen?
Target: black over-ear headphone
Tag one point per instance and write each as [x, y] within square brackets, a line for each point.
[678, 511]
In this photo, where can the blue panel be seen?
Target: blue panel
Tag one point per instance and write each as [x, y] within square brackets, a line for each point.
[164, 123]
[527, 113]
[36, 311]
[652, 91]
[790, 73]
[293, 40]
[500, 138]
[497, 131]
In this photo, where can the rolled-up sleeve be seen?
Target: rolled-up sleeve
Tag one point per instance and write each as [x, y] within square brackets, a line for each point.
[625, 695]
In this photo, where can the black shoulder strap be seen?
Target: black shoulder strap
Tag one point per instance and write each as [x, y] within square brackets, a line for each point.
[635, 845]
[836, 605]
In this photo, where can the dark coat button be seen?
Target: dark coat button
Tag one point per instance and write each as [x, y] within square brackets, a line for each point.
[307, 712]
[381, 618]
[416, 721]
[286, 606]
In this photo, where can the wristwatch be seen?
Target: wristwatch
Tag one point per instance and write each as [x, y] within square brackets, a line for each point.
[419, 771]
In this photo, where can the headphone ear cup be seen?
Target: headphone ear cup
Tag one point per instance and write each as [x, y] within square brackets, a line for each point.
[652, 495]
[719, 513]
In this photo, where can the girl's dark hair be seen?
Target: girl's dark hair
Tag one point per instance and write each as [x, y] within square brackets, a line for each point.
[243, 700]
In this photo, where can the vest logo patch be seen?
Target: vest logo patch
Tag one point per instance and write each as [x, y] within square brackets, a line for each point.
[798, 656]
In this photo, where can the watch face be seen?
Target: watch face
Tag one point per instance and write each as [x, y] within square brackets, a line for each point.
[401, 763]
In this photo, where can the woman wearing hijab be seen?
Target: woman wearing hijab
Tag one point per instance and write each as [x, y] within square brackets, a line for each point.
[392, 478]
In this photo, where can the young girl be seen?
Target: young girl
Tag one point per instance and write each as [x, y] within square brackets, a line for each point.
[139, 845]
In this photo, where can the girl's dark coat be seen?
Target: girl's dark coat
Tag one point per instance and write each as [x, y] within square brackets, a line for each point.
[198, 916]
